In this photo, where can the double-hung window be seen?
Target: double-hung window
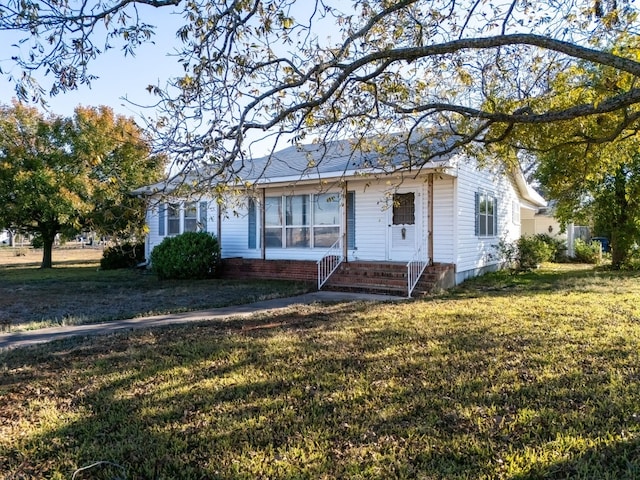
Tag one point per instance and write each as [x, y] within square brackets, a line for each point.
[297, 215]
[486, 214]
[273, 222]
[326, 219]
[173, 219]
[190, 221]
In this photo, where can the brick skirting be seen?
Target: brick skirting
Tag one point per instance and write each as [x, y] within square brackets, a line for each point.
[243, 268]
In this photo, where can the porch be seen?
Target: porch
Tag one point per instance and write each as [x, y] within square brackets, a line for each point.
[380, 277]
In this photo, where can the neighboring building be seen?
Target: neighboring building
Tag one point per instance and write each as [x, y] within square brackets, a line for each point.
[325, 201]
[543, 221]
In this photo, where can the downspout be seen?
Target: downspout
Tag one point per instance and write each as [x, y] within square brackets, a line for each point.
[263, 217]
[430, 213]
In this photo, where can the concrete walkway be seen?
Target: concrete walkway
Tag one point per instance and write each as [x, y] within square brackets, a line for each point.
[43, 335]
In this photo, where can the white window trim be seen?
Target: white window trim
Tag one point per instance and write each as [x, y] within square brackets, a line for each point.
[181, 217]
[494, 225]
[311, 225]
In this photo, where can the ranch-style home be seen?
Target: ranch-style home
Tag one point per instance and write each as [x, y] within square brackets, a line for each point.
[346, 220]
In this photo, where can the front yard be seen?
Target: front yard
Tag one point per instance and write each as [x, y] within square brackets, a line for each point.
[75, 291]
[534, 376]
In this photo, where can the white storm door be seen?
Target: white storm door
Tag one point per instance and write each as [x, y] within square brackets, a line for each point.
[403, 223]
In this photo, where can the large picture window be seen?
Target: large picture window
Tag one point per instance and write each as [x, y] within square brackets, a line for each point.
[302, 221]
[486, 218]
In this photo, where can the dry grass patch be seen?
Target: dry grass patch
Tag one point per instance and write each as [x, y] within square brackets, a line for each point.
[535, 376]
[76, 291]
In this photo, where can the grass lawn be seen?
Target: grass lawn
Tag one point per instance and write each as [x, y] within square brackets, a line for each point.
[507, 377]
[76, 291]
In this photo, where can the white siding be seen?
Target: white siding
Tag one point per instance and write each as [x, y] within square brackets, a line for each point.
[371, 221]
[235, 231]
[154, 238]
[454, 236]
[374, 238]
[444, 219]
[477, 254]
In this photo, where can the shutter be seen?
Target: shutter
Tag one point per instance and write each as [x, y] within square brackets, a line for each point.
[252, 223]
[161, 214]
[477, 213]
[495, 216]
[203, 216]
[351, 220]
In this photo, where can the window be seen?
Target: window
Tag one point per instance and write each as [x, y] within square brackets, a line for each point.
[173, 219]
[326, 220]
[302, 221]
[515, 212]
[404, 209]
[190, 217]
[297, 215]
[486, 218]
[202, 226]
[176, 218]
[273, 222]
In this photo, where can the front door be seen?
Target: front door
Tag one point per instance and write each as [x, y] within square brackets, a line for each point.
[402, 227]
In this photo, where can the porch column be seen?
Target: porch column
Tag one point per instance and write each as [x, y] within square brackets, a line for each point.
[263, 217]
[345, 222]
[430, 210]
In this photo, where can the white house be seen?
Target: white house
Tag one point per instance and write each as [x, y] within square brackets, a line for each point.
[313, 210]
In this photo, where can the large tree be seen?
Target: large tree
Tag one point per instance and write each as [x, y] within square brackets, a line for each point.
[265, 69]
[63, 175]
[588, 165]
[598, 186]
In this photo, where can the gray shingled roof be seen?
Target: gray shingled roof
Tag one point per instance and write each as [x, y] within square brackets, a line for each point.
[334, 158]
[321, 160]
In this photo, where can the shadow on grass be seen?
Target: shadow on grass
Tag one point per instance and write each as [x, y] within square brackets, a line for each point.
[340, 391]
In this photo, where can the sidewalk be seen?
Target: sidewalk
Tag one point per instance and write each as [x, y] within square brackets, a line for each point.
[33, 337]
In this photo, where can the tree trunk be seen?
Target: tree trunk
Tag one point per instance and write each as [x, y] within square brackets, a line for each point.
[48, 239]
[620, 240]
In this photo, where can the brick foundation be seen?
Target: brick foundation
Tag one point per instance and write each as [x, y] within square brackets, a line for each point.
[243, 268]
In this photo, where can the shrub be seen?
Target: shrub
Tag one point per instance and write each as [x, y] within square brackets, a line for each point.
[526, 253]
[558, 247]
[633, 261]
[127, 255]
[587, 253]
[190, 255]
[532, 251]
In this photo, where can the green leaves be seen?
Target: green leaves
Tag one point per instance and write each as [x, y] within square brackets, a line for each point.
[71, 173]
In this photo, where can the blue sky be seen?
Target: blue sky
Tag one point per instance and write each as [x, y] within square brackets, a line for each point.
[119, 75]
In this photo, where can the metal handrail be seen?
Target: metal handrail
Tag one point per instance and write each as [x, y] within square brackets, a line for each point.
[415, 269]
[329, 262]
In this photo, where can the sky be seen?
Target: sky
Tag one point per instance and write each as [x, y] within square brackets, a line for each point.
[120, 76]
